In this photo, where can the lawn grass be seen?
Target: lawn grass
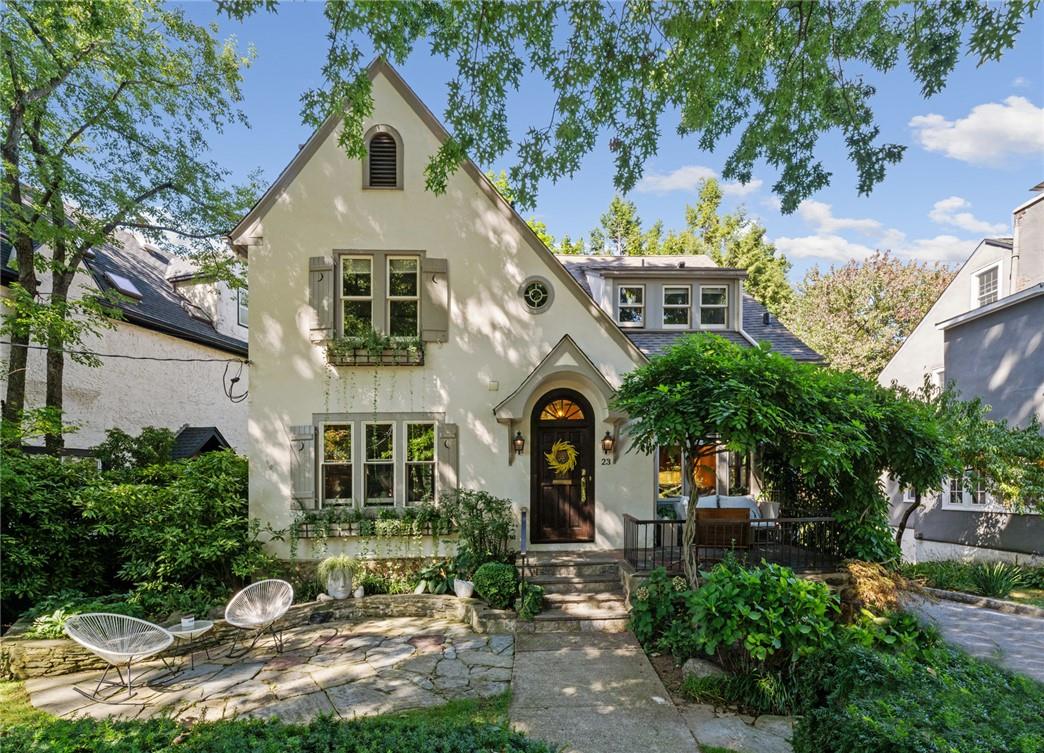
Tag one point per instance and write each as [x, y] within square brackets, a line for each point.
[492, 710]
[15, 707]
[1032, 596]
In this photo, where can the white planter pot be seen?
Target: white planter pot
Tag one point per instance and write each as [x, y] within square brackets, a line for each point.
[463, 588]
[359, 592]
[339, 584]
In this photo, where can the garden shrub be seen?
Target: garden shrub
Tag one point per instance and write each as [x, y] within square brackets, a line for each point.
[45, 545]
[659, 614]
[949, 575]
[437, 577]
[760, 618]
[50, 613]
[373, 735]
[900, 631]
[119, 451]
[853, 699]
[484, 523]
[749, 693]
[496, 583]
[530, 600]
[996, 579]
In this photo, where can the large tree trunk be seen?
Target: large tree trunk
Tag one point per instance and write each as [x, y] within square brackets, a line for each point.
[54, 441]
[690, 552]
[905, 519]
[18, 357]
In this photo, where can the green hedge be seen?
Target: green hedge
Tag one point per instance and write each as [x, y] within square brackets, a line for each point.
[324, 735]
[853, 699]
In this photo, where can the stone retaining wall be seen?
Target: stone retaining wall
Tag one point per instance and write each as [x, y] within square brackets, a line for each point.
[22, 657]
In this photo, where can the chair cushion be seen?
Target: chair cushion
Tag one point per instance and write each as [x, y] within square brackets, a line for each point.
[741, 502]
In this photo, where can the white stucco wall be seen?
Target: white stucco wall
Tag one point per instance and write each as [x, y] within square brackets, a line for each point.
[219, 301]
[493, 337]
[131, 394]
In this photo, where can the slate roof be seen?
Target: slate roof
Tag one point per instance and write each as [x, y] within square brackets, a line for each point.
[779, 337]
[192, 440]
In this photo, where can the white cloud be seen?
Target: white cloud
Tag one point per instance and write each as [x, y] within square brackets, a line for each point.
[742, 189]
[831, 247]
[945, 212]
[688, 177]
[988, 135]
[822, 246]
[1020, 82]
[821, 217]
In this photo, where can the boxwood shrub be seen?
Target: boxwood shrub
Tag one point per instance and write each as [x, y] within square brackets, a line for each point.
[854, 699]
[496, 582]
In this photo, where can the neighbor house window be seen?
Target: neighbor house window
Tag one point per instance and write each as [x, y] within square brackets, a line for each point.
[336, 464]
[420, 462]
[669, 472]
[969, 490]
[403, 296]
[676, 306]
[356, 294]
[714, 303]
[739, 473]
[986, 288]
[379, 478]
[241, 307]
[630, 305]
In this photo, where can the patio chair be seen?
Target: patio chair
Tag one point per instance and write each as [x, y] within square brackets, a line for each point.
[257, 607]
[117, 639]
[721, 530]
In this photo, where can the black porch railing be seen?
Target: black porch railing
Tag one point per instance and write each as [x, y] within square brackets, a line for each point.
[802, 544]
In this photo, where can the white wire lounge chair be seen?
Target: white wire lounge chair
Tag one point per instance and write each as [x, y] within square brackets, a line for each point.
[118, 640]
[256, 608]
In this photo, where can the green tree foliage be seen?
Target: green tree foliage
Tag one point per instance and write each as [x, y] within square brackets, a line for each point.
[121, 451]
[619, 231]
[857, 315]
[825, 437]
[106, 111]
[770, 77]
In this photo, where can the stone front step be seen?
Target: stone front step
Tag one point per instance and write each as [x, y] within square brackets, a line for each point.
[568, 584]
[559, 621]
[579, 603]
[581, 610]
[575, 568]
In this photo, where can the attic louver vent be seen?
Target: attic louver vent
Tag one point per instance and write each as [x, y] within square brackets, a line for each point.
[383, 168]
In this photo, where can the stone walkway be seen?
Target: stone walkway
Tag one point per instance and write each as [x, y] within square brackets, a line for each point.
[348, 669]
[1011, 640]
[597, 693]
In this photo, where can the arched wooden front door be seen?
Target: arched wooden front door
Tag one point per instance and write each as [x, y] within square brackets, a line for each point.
[562, 499]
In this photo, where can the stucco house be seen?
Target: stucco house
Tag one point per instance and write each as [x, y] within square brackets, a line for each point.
[405, 343]
[985, 336]
[193, 326]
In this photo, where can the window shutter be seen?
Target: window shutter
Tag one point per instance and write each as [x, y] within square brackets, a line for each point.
[435, 299]
[447, 455]
[302, 466]
[384, 169]
[321, 296]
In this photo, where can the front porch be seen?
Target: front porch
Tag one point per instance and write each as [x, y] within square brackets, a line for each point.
[806, 545]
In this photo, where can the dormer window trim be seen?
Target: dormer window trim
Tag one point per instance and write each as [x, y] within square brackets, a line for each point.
[675, 308]
[630, 305]
[385, 130]
[708, 310]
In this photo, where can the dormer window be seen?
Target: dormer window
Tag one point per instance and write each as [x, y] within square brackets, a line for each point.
[383, 164]
[630, 310]
[676, 306]
[986, 286]
[714, 305]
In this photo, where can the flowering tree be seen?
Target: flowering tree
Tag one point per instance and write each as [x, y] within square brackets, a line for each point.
[857, 315]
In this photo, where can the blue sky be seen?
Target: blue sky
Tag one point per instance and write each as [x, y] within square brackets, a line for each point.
[973, 152]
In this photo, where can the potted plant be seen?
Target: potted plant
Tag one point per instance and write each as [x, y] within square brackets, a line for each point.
[464, 565]
[336, 573]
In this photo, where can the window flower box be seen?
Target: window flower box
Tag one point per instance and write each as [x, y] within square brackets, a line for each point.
[375, 351]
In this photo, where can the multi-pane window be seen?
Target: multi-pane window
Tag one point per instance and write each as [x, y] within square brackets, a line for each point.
[379, 463]
[739, 473]
[969, 490]
[356, 294]
[714, 303]
[630, 305]
[676, 306]
[987, 285]
[336, 467]
[403, 296]
[669, 472]
[977, 490]
[241, 307]
[420, 462]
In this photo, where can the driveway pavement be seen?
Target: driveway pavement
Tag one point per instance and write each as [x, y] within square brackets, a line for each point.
[1013, 641]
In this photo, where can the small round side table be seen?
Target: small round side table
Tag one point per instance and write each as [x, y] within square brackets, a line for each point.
[188, 635]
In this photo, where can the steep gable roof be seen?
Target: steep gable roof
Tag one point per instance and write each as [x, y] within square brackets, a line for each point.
[308, 150]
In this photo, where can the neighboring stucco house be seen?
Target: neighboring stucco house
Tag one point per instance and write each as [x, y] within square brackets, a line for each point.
[192, 325]
[496, 349]
[985, 336]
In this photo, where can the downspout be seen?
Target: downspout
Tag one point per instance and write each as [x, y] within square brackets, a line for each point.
[1013, 273]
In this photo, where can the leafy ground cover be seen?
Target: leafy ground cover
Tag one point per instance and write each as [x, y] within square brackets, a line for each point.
[463, 726]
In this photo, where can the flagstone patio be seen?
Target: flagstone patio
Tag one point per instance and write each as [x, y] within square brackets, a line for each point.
[348, 669]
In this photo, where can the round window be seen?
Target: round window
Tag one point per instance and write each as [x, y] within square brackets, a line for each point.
[537, 294]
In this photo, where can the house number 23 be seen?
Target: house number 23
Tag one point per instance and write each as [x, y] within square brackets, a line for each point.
[607, 461]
